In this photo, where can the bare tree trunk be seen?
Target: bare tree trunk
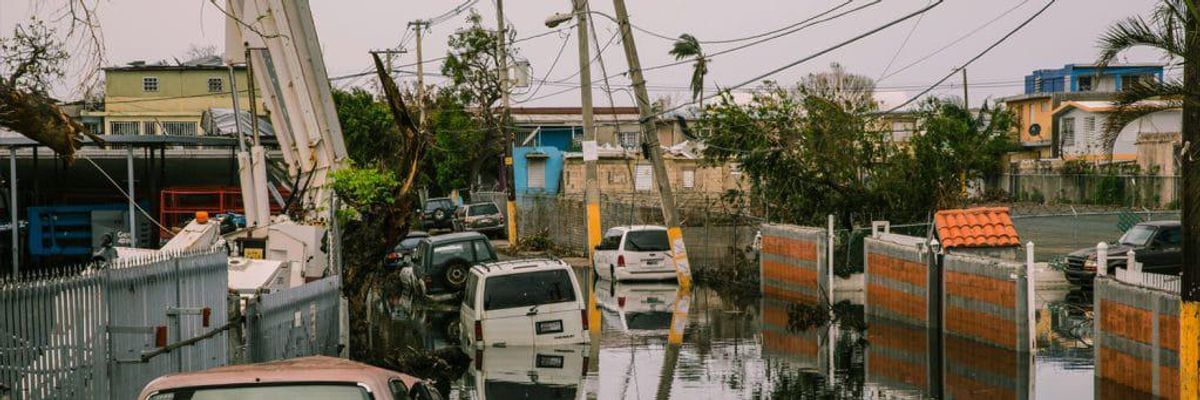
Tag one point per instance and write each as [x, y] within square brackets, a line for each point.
[1189, 323]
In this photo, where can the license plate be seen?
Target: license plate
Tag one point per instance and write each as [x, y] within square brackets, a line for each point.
[545, 327]
[549, 361]
[652, 262]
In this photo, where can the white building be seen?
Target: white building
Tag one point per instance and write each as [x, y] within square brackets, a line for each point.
[1079, 129]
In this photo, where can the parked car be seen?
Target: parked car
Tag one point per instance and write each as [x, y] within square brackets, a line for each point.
[484, 218]
[1156, 245]
[525, 372]
[638, 252]
[438, 213]
[439, 267]
[523, 303]
[317, 377]
[405, 248]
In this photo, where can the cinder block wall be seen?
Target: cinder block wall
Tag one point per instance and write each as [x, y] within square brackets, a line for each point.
[1136, 340]
[986, 300]
[898, 282]
[794, 263]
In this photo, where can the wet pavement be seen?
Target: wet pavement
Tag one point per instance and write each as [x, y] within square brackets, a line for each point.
[726, 347]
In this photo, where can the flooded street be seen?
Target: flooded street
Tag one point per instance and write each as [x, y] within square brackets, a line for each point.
[753, 347]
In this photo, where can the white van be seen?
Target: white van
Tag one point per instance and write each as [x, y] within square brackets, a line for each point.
[638, 252]
[523, 303]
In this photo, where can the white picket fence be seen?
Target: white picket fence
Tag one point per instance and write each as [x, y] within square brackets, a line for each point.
[1132, 272]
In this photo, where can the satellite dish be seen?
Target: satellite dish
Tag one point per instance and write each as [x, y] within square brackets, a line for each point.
[1035, 130]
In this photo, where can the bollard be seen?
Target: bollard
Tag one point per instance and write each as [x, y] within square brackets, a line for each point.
[1030, 294]
[1102, 259]
[1132, 265]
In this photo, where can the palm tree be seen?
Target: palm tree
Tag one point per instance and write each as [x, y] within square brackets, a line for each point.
[687, 46]
[1172, 29]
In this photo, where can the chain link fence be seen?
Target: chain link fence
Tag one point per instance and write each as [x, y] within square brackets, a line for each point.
[1136, 191]
[714, 230]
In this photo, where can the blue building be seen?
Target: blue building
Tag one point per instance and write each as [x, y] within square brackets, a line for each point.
[537, 169]
[1090, 78]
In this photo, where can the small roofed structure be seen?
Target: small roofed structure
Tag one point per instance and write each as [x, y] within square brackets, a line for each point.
[987, 231]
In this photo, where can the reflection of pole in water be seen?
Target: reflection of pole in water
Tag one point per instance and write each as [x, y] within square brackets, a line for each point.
[679, 317]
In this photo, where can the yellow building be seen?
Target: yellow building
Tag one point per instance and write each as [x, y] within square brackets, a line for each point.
[148, 99]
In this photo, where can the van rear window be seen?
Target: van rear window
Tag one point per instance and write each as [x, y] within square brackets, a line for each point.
[528, 289]
[647, 241]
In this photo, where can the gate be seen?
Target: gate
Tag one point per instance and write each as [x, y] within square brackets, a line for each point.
[297, 322]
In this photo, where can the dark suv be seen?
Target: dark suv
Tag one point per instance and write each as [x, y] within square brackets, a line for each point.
[484, 218]
[438, 213]
[440, 265]
[1156, 245]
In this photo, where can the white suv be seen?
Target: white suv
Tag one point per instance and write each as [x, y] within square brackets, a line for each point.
[638, 252]
[523, 303]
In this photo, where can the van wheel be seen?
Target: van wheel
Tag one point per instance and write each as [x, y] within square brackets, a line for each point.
[453, 331]
[456, 274]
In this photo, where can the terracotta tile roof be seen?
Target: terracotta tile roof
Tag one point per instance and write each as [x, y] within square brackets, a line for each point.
[976, 227]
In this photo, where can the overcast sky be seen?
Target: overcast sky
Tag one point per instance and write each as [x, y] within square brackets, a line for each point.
[155, 30]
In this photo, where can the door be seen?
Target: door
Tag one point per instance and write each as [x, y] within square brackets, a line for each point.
[605, 256]
[505, 312]
[537, 174]
[557, 314]
[1164, 255]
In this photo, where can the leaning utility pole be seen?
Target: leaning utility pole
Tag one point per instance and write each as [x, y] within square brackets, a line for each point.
[650, 141]
[510, 186]
[1189, 310]
[590, 156]
[419, 27]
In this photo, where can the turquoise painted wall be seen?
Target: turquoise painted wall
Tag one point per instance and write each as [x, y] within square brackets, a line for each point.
[554, 168]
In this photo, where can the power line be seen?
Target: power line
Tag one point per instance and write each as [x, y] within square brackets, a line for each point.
[811, 56]
[976, 57]
[951, 44]
[550, 70]
[739, 39]
[901, 48]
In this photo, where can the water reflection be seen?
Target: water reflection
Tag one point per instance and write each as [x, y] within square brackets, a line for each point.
[657, 341]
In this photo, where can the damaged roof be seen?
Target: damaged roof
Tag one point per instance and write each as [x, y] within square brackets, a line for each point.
[976, 227]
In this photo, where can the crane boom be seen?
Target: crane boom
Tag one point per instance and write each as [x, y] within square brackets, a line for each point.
[289, 70]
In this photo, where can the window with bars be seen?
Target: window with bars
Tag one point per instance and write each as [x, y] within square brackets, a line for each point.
[216, 85]
[149, 84]
[125, 127]
[179, 128]
[629, 140]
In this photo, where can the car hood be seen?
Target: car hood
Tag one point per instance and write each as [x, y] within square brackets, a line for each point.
[1113, 250]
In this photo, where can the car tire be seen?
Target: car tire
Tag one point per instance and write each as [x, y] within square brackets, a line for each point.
[455, 274]
[454, 332]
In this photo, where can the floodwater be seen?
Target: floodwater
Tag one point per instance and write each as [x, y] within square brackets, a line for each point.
[658, 342]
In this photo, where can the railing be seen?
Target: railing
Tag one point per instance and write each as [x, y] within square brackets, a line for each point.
[82, 332]
[297, 322]
[1132, 273]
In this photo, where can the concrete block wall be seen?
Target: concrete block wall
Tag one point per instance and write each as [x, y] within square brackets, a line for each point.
[898, 282]
[794, 263]
[1136, 341]
[986, 300]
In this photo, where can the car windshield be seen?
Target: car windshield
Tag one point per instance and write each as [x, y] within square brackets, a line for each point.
[436, 204]
[409, 243]
[286, 391]
[528, 289]
[647, 241]
[1139, 235]
[484, 209]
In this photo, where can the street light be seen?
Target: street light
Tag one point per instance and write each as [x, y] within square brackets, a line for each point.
[558, 18]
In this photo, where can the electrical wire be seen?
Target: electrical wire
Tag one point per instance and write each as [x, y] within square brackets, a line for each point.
[810, 57]
[550, 70]
[901, 48]
[973, 59]
[123, 192]
[951, 44]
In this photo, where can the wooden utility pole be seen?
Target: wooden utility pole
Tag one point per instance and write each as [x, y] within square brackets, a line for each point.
[590, 155]
[650, 140]
[510, 186]
[966, 96]
[1189, 310]
[419, 27]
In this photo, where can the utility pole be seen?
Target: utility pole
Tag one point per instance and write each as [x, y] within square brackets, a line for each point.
[1189, 310]
[419, 27]
[510, 186]
[650, 140]
[966, 96]
[591, 184]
